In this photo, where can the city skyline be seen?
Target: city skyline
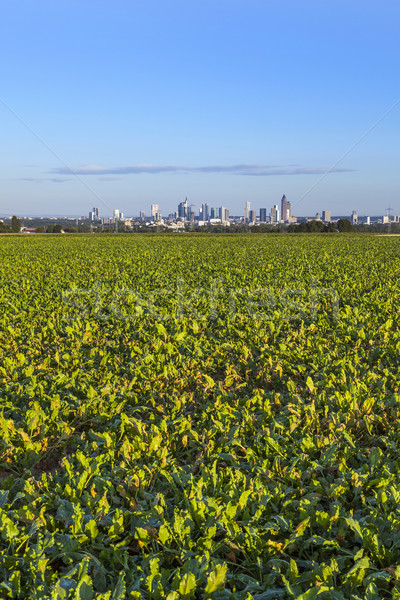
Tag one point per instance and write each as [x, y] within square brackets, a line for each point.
[221, 103]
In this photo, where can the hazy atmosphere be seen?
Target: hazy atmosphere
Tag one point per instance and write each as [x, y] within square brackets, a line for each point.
[127, 103]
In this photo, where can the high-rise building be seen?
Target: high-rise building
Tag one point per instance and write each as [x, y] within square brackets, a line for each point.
[224, 214]
[252, 216]
[326, 216]
[116, 214]
[154, 210]
[284, 208]
[190, 213]
[246, 212]
[288, 211]
[183, 212]
[142, 216]
[354, 218]
[94, 214]
[275, 214]
[205, 215]
[214, 214]
[263, 215]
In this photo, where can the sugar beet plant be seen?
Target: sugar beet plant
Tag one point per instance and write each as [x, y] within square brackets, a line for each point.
[199, 417]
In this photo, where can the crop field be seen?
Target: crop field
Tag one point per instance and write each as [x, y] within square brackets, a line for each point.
[199, 417]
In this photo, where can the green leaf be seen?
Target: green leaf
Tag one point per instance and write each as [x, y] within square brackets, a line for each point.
[187, 585]
[163, 534]
[84, 589]
[119, 592]
[216, 579]
[310, 384]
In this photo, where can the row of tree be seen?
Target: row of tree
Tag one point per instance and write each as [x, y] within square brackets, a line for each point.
[14, 227]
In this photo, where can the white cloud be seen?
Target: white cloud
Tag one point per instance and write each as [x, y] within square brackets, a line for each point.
[240, 169]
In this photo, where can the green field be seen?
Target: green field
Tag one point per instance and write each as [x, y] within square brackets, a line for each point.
[199, 417]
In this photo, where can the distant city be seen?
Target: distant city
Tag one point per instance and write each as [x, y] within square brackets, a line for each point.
[278, 214]
[185, 218]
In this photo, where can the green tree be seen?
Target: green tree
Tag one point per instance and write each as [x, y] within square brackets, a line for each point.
[15, 224]
[344, 225]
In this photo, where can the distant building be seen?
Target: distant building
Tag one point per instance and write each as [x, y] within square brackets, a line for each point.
[183, 212]
[354, 218]
[142, 216]
[284, 208]
[94, 214]
[275, 214]
[224, 214]
[154, 210]
[246, 212]
[263, 215]
[214, 213]
[118, 215]
[252, 216]
[326, 216]
[205, 213]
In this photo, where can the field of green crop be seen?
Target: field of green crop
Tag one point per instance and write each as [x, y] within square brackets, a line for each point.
[206, 417]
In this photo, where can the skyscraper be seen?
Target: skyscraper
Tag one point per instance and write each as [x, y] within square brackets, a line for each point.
[252, 216]
[94, 214]
[205, 215]
[154, 210]
[326, 216]
[183, 209]
[286, 211]
[246, 212]
[263, 215]
[224, 214]
[275, 214]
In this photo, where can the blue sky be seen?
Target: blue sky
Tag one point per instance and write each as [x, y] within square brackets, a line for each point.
[125, 103]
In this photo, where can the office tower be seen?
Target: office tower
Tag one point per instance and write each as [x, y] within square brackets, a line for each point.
[224, 214]
[326, 216]
[116, 214]
[154, 210]
[275, 214]
[252, 216]
[354, 217]
[183, 209]
[284, 208]
[246, 212]
[214, 213]
[142, 216]
[288, 211]
[205, 212]
[263, 215]
[94, 214]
